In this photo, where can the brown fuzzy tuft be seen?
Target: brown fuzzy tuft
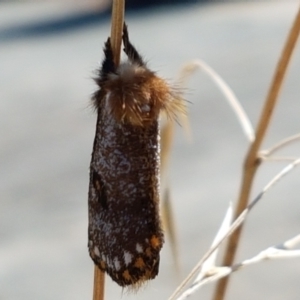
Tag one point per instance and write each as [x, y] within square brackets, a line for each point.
[135, 95]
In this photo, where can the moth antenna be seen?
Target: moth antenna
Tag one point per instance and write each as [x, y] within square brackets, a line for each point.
[129, 49]
[108, 65]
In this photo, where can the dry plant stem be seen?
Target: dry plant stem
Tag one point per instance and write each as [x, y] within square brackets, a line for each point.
[203, 265]
[281, 251]
[281, 144]
[278, 158]
[99, 283]
[238, 221]
[166, 137]
[117, 21]
[251, 162]
[232, 100]
[169, 222]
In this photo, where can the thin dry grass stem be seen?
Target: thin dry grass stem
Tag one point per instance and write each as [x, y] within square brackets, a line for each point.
[229, 95]
[215, 246]
[277, 158]
[99, 284]
[210, 263]
[206, 256]
[280, 251]
[169, 224]
[251, 161]
[285, 142]
[117, 21]
[275, 179]
[219, 272]
[167, 134]
[283, 250]
[291, 243]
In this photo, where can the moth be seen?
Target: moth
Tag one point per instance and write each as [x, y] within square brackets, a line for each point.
[124, 232]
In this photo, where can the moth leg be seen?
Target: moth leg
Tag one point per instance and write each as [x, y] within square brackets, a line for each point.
[108, 65]
[99, 188]
[129, 49]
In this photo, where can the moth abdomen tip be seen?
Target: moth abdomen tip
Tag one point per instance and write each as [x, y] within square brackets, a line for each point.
[130, 268]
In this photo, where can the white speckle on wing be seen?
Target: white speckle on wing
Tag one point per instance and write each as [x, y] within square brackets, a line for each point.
[139, 248]
[109, 263]
[127, 258]
[96, 251]
[117, 264]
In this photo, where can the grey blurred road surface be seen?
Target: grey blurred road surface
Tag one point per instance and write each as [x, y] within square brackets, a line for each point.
[46, 133]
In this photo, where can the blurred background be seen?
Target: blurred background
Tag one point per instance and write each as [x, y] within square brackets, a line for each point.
[48, 54]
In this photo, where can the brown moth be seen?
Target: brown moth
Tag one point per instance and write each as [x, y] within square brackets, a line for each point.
[125, 234]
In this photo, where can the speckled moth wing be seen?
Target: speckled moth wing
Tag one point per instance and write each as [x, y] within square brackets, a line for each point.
[125, 235]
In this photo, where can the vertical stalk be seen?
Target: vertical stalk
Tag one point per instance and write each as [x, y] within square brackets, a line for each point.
[252, 158]
[99, 284]
[117, 21]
